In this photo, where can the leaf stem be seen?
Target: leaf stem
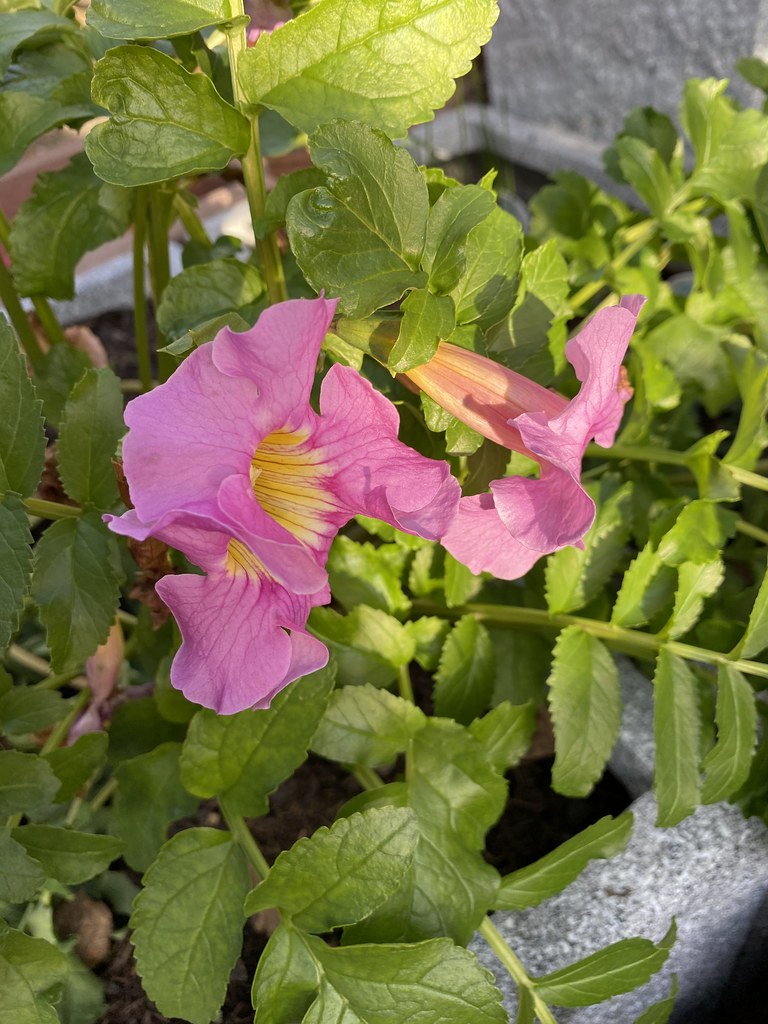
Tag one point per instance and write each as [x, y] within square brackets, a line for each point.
[103, 796]
[51, 509]
[647, 453]
[367, 777]
[630, 641]
[642, 234]
[158, 209]
[19, 319]
[190, 220]
[517, 972]
[242, 835]
[750, 530]
[61, 730]
[253, 168]
[404, 684]
[141, 331]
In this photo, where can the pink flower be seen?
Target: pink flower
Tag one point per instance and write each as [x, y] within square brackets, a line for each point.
[265, 18]
[507, 530]
[229, 463]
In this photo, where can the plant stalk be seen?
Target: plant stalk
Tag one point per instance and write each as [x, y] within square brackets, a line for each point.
[140, 329]
[61, 730]
[19, 319]
[242, 836]
[45, 314]
[647, 453]
[517, 972]
[253, 168]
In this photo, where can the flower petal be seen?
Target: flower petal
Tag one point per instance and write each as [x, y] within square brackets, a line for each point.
[374, 473]
[545, 514]
[478, 538]
[236, 651]
[278, 354]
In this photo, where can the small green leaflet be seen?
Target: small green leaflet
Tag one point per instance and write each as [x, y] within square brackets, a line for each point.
[368, 645]
[552, 873]
[146, 19]
[188, 922]
[676, 733]
[340, 875]
[432, 982]
[20, 875]
[286, 979]
[505, 733]
[91, 426]
[166, 122]
[22, 443]
[486, 289]
[647, 586]
[15, 564]
[62, 367]
[645, 170]
[26, 783]
[466, 674]
[244, 757]
[68, 856]
[695, 583]
[659, 1013]
[25, 25]
[31, 975]
[209, 291]
[618, 968]
[427, 320]
[750, 367]
[364, 574]
[363, 725]
[71, 212]
[25, 709]
[74, 765]
[388, 65]
[75, 588]
[362, 235]
[698, 535]
[755, 637]
[585, 704]
[727, 765]
[149, 797]
[455, 214]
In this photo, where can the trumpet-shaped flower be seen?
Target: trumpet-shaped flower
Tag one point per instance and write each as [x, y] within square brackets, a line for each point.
[507, 530]
[229, 463]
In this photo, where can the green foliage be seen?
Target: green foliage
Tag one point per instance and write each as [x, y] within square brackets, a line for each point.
[244, 757]
[91, 426]
[585, 704]
[32, 972]
[363, 725]
[389, 68]
[466, 674]
[549, 875]
[20, 875]
[26, 783]
[68, 856]
[15, 564]
[74, 765]
[676, 732]
[427, 320]
[144, 19]
[21, 427]
[368, 645]
[210, 291]
[187, 923]
[727, 764]
[24, 709]
[166, 122]
[346, 235]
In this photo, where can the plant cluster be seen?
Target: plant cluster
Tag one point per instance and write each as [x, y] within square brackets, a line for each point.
[432, 296]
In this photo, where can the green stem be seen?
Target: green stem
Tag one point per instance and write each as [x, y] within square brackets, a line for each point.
[367, 777]
[159, 268]
[630, 641]
[141, 331]
[749, 530]
[190, 220]
[517, 971]
[242, 835]
[45, 314]
[31, 662]
[61, 730]
[103, 796]
[647, 453]
[50, 509]
[253, 168]
[404, 684]
[19, 319]
[642, 234]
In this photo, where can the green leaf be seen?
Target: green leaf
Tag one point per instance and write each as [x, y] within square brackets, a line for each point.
[432, 982]
[647, 586]
[208, 291]
[427, 320]
[457, 795]
[91, 426]
[505, 733]
[695, 354]
[62, 368]
[288, 186]
[340, 875]
[32, 972]
[70, 212]
[25, 709]
[486, 289]
[645, 170]
[460, 584]
[695, 584]
[166, 122]
[286, 979]
[137, 727]
[659, 1013]
[457, 212]
[387, 66]
[368, 645]
[26, 783]
[24, 26]
[755, 637]
[466, 674]
[618, 968]
[428, 634]
[20, 875]
[728, 762]
[188, 922]
[145, 19]
[22, 443]
[74, 766]
[149, 797]
[676, 733]
[70, 857]
[750, 367]
[585, 704]
[75, 588]
[551, 874]
[244, 757]
[360, 237]
[363, 725]
[575, 576]
[15, 564]
[698, 535]
[364, 574]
